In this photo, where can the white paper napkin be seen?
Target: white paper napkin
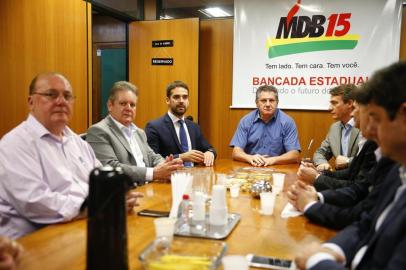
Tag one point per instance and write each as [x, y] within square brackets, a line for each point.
[290, 211]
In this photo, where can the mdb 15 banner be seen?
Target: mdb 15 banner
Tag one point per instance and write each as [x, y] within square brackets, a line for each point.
[306, 47]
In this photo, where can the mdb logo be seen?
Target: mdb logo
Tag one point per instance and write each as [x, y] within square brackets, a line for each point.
[299, 34]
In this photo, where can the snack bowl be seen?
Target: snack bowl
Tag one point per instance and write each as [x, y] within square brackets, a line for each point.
[260, 186]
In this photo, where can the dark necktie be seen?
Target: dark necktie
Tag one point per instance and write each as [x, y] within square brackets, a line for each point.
[183, 141]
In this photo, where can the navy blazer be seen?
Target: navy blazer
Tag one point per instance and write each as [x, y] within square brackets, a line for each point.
[386, 247]
[162, 138]
[358, 198]
[359, 167]
[349, 196]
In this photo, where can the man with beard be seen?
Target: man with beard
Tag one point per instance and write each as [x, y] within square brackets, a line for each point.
[118, 142]
[44, 165]
[173, 134]
[266, 136]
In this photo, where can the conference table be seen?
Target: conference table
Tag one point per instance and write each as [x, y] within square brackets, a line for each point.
[63, 246]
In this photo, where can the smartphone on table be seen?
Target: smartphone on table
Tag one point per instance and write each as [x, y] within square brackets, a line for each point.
[270, 262]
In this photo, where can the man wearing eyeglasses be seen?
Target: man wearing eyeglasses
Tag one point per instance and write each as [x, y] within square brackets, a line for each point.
[118, 142]
[44, 165]
[266, 136]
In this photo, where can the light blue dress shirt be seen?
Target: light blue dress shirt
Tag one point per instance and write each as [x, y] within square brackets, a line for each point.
[274, 138]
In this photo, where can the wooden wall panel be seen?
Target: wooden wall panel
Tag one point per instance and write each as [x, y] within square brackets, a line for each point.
[150, 10]
[38, 36]
[152, 80]
[108, 29]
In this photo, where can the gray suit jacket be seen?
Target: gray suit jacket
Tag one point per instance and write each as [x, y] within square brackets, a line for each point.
[112, 148]
[331, 146]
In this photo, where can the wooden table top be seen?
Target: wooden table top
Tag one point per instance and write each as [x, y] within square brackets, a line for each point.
[63, 246]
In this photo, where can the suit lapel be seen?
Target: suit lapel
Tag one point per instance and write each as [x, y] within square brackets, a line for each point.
[191, 132]
[385, 202]
[171, 128]
[361, 154]
[142, 148]
[336, 147]
[353, 139]
[119, 135]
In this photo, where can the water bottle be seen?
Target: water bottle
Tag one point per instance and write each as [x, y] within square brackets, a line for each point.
[106, 224]
[184, 214]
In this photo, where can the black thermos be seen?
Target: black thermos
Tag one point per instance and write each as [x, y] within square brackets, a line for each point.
[107, 223]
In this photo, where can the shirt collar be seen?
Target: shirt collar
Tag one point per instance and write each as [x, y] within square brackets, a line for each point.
[132, 128]
[378, 154]
[258, 117]
[42, 131]
[402, 174]
[174, 118]
[362, 141]
[350, 124]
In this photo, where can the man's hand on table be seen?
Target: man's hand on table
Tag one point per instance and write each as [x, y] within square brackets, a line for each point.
[10, 253]
[307, 173]
[164, 170]
[312, 249]
[300, 194]
[257, 160]
[131, 200]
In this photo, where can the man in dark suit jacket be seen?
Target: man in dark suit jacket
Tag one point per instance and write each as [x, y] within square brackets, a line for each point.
[378, 240]
[339, 208]
[165, 133]
[359, 167]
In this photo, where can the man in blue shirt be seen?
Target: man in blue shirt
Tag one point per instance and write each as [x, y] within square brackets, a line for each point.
[266, 136]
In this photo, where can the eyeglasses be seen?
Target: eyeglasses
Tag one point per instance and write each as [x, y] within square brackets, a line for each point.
[53, 95]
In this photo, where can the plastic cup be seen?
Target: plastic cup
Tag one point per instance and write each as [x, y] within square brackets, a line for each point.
[235, 262]
[199, 206]
[164, 227]
[267, 203]
[221, 179]
[278, 182]
[218, 197]
[234, 191]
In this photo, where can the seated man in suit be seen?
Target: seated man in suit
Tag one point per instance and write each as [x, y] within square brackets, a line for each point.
[173, 134]
[266, 136]
[342, 139]
[44, 165]
[339, 208]
[378, 240]
[116, 140]
[359, 167]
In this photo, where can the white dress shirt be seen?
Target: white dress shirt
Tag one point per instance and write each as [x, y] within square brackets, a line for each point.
[44, 179]
[129, 133]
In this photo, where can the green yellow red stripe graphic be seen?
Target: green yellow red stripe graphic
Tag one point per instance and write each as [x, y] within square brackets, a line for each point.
[280, 47]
